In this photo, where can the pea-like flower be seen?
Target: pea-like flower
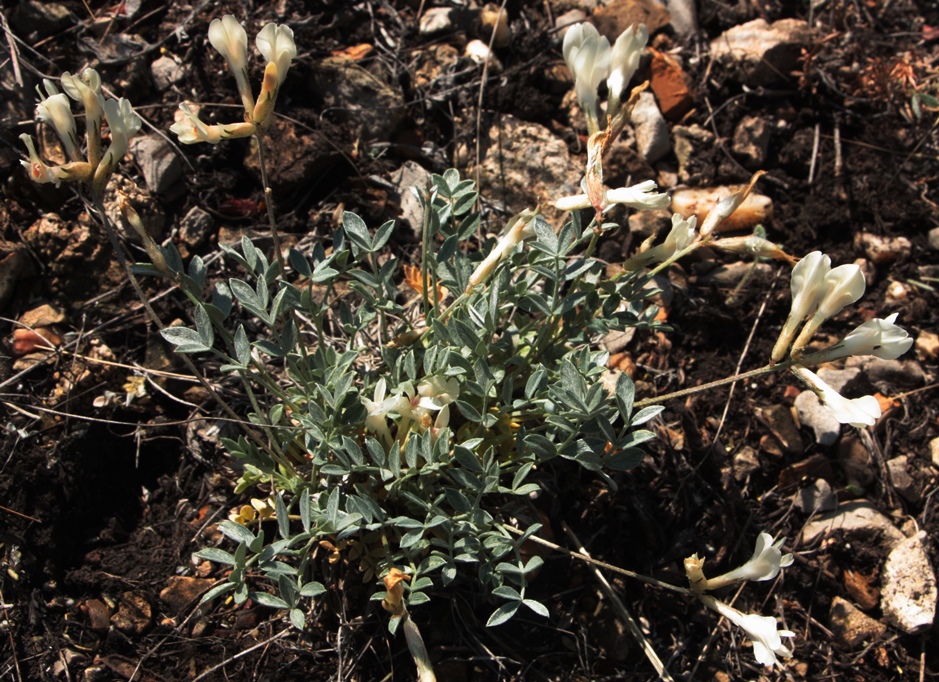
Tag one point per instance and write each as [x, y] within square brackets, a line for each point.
[39, 171]
[230, 39]
[277, 46]
[765, 564]
[522, 228]
[842, 286]
[858, 412]
[87, 90]
[55, 110]
[379, 409]
[587, 54]
[762, 631]
[878, 337]
[624, 60]
[679, 238]
[641, 197]
[190, 129]
[124, 124]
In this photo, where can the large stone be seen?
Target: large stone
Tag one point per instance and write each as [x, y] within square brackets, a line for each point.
[355, 96]
[524, 164]
[814, 415]
[410, 175]
[651, 129]
[908, 597]
[854, 517]
[767, 52]
[751, 140]
[851, 626]
[618, 15]
[158, 162]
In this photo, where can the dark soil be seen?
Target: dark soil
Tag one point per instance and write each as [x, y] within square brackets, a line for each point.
[101, 506]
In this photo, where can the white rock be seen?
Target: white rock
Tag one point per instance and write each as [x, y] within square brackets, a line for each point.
[934, 451]
[436, 20]
[853, 516]
[480, 53]
[684, 16]
[901, 479]
[817, 417]
[934, 239]
[842, 380]
[769, 51]
[817, 497]
[651, 129]
[908, 595]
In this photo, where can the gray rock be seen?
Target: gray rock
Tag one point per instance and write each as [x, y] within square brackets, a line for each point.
[524, 163]
[934, 239]
[40, 19]
[893, 376]
[684, 15]
[158, 162]
[732, 274]
[901, 479]
[817, 497]
[751, 140]
[847, 380]
[746, 463]
[768, 52]
[779, 420]
[410, 175]
[882, 250]
[651, 129]
[852, 517]
[195, 227]
[568, 19]
[644, 224]
[908, 595]
[817, 417]
[166, 73]
[357, 97]
[851, 626]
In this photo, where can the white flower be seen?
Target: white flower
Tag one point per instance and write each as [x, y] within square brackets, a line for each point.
[679, 238]
[522, 228]
[857, 412]
[190, 129]
[230, 39]
[641, 197]
[436, 392]
[55, 111]
[39, 171]
[765, 564]
[766, 639]
[624, 60]
[879, 337]
[842, 286]
[807, 286]
[587, 54]
[278, 47]
[379, 408]
[124, 124]
[87, 90]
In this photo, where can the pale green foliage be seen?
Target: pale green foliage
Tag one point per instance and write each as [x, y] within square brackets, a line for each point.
[519, 358]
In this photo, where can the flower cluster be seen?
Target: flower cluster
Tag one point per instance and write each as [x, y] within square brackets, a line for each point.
[54, 109]
[820, 292]
[765, 564]
[414, 407]
[230, 39]
[591, 59]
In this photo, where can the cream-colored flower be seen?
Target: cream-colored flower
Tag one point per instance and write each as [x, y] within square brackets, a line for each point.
[765, 564]
[762, 631]
[39, 171]
[624, 60]
[807, 285]
[230, 39]
[587, 54]
[124, 124]
[190, 129]
[522, 228]
[878, 337]
[842, 286]
[87, 90]
[680, 237]
[379, 409]
[278, 47]
[858, 412]
[641, 197]
[55, 110]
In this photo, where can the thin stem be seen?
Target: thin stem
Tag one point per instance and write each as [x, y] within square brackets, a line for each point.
[713, 384]
[269, 201]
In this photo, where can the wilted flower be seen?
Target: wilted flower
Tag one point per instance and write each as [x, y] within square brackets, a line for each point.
[624, 60]
[858, 412]
[642, 197]
[765, 564]
[694, 570]
[278, 47]
[55, 110]
[229, 38]
[413, 278]
[766, 639]
[587, 54]
[752, 245]
[394, 592]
